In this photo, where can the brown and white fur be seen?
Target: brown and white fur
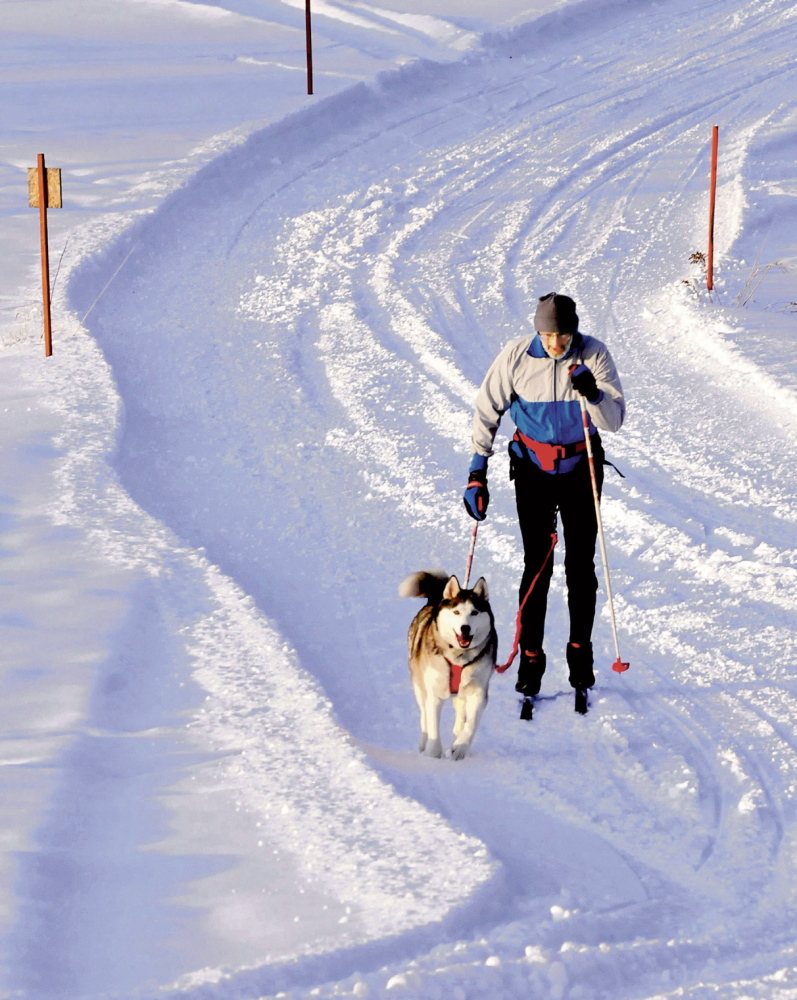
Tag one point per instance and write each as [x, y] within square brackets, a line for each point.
[455, 626]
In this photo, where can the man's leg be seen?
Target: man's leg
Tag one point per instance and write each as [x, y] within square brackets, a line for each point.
[536, 507]
[580, 529]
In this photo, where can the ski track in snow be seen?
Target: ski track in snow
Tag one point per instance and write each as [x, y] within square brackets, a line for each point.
[297, 346]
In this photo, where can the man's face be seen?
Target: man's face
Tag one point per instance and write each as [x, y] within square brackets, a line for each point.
[556, 344]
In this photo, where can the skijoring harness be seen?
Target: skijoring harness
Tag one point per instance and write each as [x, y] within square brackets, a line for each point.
[548, 454]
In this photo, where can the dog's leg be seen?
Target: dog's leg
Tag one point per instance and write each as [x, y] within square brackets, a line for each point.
[474, 703]
[459, 715]
[420, 698]
[434, 745]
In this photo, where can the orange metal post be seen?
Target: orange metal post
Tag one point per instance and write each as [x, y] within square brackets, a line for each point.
[715, 138]
[308, 33]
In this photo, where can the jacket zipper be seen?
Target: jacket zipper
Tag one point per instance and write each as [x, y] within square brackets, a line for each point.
[557, 428]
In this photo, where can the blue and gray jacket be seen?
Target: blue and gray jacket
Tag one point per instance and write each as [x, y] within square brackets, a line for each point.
[545, 407]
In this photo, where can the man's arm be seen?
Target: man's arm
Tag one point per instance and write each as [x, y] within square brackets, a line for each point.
[493, 399]
[608, 412]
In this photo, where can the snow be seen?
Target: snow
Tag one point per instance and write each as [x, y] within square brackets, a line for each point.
[260, 426]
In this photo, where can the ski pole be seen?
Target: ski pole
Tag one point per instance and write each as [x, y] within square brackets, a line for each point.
[470, 555]
[619, 666]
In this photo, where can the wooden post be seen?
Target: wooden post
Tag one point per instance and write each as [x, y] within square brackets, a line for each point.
[44, 191]
[308, 33]
[48, 331]
[715, 134]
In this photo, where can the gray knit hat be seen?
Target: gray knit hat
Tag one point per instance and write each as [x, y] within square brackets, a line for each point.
[556, 314]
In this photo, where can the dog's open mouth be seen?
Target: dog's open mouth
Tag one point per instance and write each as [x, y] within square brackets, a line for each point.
[464, 641]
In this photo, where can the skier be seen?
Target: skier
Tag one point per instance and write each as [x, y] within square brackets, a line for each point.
[538, 379]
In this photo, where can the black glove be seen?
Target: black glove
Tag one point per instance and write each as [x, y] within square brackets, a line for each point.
[477, 496]
[583, 382]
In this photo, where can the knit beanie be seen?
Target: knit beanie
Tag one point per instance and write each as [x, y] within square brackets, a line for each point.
[556, 314]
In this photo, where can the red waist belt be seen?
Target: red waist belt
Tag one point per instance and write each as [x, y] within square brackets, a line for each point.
[547, 454]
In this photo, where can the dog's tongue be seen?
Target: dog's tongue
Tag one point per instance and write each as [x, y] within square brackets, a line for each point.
[464, 641]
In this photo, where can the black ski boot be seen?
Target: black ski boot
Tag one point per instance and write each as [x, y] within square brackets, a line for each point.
[579, 661]
[530, 671]
[582, 677]
[529, 679]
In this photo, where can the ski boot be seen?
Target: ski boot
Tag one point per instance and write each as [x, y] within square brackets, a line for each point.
[529, 679]
[582, 676]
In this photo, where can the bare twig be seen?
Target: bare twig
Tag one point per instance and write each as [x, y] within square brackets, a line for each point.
[754, 268]
[754, 280]
[94, 303]
[55, 279]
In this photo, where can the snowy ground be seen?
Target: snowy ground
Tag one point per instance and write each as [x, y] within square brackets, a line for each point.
[214, 487]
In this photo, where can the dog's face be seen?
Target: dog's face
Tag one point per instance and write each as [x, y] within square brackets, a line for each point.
[464, 618]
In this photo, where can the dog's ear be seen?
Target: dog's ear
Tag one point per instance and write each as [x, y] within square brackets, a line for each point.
[480, 589]
[452, 589]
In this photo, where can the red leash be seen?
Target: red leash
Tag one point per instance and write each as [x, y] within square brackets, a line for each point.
[470, 555]
[516, 643]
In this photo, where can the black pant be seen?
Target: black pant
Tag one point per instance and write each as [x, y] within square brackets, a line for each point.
[539, 496]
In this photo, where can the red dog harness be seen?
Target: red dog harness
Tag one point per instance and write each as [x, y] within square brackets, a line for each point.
[454, 675]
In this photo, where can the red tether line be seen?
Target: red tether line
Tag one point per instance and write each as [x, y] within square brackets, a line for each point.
[470, 555]
[516, 643]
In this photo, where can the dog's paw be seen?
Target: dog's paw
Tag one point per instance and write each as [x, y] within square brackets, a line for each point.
[422, 743]
[434, 748]
[459, 751]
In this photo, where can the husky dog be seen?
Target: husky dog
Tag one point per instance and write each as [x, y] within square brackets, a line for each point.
[452, 646]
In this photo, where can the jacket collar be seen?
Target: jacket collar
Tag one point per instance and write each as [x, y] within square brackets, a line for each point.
[536, 350]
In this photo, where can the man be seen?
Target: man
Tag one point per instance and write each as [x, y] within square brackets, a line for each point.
[539, 379]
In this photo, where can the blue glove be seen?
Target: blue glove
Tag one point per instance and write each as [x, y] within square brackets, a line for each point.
[583, 381]
[477, 496]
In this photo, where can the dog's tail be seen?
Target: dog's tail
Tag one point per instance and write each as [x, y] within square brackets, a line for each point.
[429, 583]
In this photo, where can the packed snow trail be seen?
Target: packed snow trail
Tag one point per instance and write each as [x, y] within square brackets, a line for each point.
[297, 340]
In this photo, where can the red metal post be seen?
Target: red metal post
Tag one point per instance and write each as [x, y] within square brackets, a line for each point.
[48, 333]
[309, 34]
[715, 139]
